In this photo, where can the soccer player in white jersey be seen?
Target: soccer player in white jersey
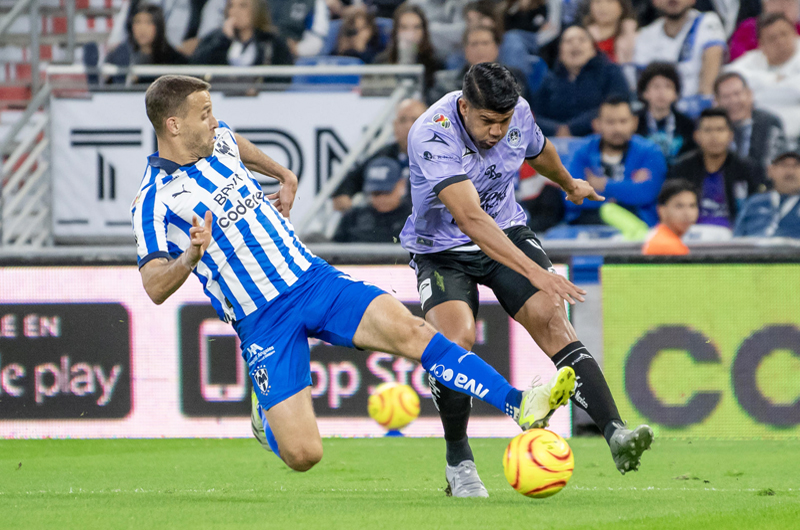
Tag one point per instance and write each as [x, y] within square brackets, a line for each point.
[199, 210]
[466, 229]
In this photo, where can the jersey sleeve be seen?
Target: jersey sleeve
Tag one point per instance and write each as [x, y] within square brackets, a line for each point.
[438, 156]
[149, 226]
[536, 143]
[712, 33]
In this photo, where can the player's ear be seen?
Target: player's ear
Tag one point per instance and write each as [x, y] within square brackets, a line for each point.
[463, 106]
[173, 125]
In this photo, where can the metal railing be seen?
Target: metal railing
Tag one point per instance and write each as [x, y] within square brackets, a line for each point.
[25, 179]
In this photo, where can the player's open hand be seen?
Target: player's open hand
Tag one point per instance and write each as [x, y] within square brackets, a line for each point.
[557, 288]
[284, 198]
[582, 190]
[200, 238]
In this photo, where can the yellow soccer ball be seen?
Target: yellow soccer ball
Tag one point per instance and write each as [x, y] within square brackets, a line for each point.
[393, 405]
[538, 463]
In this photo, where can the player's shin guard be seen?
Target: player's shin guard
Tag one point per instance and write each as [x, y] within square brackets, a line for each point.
[463, 371]
[454, 408]
[591, 390]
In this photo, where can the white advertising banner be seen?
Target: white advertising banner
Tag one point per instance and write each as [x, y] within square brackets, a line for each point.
[100, 147]
[84, 353]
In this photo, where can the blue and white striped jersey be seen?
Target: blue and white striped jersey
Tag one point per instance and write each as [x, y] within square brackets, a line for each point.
[254, 254]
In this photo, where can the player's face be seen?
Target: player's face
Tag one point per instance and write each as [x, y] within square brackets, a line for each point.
[485, 127]
[660, 93]
[674, 8]
[785, 176]
[714, 136]
[778, 42]
[197, 128]
[680, 212]
[616, 125]
[736, 98]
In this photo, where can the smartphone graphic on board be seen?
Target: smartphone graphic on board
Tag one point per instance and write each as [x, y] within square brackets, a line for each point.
[222, 368]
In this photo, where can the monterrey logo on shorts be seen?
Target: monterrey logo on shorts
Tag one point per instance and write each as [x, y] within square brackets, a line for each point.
[514, 137]
[261, 378]
[442, 120]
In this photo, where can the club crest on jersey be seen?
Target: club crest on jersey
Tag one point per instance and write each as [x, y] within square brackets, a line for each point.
[442, 120]
[514, 137]
[261, 378]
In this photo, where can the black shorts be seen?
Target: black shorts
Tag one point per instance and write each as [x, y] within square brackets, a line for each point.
[453, 275]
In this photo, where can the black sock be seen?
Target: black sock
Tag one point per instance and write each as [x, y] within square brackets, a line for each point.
[591, 390]
[454, 408]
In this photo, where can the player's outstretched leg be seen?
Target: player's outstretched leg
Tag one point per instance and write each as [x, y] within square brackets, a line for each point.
[388, 326]
[551, 329]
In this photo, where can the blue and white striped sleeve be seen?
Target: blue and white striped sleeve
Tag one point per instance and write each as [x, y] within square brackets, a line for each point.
[149, 226]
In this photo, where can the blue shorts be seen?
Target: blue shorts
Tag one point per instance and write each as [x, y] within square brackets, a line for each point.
[324, 303]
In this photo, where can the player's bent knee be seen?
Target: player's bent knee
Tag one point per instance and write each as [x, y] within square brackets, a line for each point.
[302, 458]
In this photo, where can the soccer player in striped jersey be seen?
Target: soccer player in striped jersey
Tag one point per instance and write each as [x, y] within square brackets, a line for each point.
[199, 210]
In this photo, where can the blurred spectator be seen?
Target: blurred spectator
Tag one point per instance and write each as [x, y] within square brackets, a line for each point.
[571, 93]
[773, 70]
[659, 121]
[745, 38]
[383, 218]
[446, 24]
[757, 134]
[723, 179]
[246, 38]
[359, 36]
[382, 8]
[529, 25]
[146, 44]
[481, 45]
[613, 28]
[411, 43]
[303, 23]
[623, 167]
[407, 113]
[693, 40]
[775, 213]
[677, 212]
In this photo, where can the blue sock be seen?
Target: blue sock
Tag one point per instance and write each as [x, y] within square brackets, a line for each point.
[463, 371]
[273, 443]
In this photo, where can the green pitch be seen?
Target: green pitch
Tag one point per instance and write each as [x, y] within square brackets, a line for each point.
[387, 483]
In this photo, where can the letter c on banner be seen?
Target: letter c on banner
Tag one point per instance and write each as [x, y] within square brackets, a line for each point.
[752, 351]
[637, 375]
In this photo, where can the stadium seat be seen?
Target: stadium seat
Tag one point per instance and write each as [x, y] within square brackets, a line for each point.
[384, 27]
[326, 82]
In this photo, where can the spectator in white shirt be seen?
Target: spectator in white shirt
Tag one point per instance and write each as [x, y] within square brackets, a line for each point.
[694, 41]
[773, 71]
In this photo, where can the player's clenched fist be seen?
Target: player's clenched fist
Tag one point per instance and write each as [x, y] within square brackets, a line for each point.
[200, 237]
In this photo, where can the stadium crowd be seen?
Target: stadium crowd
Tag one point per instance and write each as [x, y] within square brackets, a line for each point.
[661, 105]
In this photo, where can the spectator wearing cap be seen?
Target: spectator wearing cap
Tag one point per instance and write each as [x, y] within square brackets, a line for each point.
[745, 38]
[773, 70]
[571, 93]
[723, 179]
[775, 213]
[659, 121]
[407, 113]
[757, 134]
[677, 212]
[623, 167]
[383, 218]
